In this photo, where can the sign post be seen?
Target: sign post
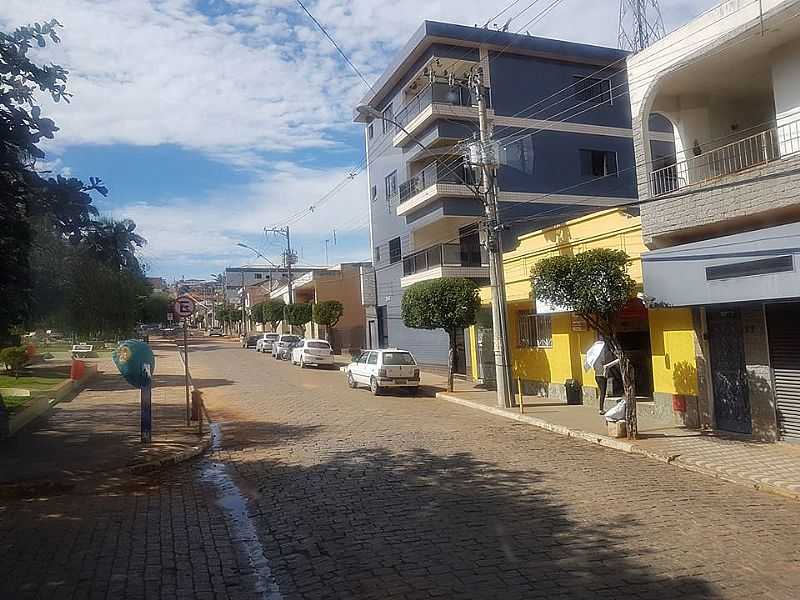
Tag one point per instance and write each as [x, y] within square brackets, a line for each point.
[146, 398]
[136, 363]
[184, 308]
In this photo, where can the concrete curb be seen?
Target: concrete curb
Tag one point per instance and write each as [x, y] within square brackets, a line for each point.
[622, 445]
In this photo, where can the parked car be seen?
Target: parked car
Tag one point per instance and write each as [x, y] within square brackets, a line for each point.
[264, 343]
[381, 369]
[312, 352]
[249, 341]
[215, 331]
[282, 348]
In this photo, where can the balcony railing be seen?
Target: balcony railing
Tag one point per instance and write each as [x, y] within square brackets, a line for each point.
[436, 93]
[436, 173]
[445, 255]
[759, 149]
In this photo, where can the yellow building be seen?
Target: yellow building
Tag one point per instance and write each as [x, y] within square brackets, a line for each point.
[548, 347]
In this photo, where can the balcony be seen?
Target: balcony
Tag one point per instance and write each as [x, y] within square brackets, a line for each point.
[445, 260]
[436, 100]
[450, 178]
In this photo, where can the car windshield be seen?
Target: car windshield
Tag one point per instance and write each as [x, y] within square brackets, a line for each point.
[291, 339]
[271, 336]
[398, 358]
[252, 338]
[325, 345]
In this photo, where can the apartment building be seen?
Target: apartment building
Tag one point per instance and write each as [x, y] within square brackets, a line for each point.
[562, 118]
[239, 278]
[722, 214]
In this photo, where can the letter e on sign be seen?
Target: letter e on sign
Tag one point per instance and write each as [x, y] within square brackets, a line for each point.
[184, 307]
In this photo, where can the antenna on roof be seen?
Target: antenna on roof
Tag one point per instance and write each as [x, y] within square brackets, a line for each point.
[640, 24]
[508, 23]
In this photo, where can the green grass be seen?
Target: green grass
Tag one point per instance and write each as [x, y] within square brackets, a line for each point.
[35, 379]
[15, 404]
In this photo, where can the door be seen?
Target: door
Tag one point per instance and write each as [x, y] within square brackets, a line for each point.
[460, 365]
[372, 334]
[360, 370]
[728, 372]
[783, 324]
[371, 367]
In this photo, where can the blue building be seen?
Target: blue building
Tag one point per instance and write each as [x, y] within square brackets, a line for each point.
[565, 147]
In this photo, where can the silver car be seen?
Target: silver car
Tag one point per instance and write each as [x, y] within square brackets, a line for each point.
[265, 342]
[282, 348]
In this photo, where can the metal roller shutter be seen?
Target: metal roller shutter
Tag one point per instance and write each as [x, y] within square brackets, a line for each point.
[783, 321]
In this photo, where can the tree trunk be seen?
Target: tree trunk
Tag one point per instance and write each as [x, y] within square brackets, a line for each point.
[451, 360]
[628, 385]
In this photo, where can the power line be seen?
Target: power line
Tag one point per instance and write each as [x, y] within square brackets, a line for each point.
[335, 45]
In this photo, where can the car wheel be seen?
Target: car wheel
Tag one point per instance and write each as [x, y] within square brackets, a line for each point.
[374, 387]
[351, 382]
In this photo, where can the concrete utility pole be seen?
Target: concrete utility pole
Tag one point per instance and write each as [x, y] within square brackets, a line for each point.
[288, 259]
[483, 154]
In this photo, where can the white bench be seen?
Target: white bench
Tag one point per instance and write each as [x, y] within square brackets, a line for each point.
[82, 350]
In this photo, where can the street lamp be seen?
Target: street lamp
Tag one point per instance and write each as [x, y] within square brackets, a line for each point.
[241, 245]
[369, 112]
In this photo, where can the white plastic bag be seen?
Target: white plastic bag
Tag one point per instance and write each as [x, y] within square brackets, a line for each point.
[616, 412]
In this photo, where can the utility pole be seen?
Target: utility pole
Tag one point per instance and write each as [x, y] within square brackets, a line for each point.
[288, 257]
[640, 24]
[241, 329]
[483, 154]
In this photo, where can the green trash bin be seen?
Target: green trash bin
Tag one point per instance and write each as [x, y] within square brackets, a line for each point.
[574, 392]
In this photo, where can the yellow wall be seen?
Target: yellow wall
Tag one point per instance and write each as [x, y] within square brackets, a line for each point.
[672, 343]
[672, 332]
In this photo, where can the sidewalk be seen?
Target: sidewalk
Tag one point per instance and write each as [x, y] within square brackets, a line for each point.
[771, 467]
[98, 430]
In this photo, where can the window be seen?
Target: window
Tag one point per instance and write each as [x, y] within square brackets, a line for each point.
[391, 185]
[534, 331]
[374, 193]
[519, 155]
[388, 115]
[598, 163]
[395, 252]
[373, 358]
[398, 358]
[590, 89]
[258, 275]
[377, 255]
[370, 131]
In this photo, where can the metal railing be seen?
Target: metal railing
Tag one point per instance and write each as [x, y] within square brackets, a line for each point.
[431, 175]
[445, 255]
[436, 93]
[759, 149]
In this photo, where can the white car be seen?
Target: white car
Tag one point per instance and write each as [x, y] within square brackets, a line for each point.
[313, 352]
[264, 343]
[282, 347]
[380, 369]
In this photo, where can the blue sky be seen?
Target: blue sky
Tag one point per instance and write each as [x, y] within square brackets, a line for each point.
[211, 119]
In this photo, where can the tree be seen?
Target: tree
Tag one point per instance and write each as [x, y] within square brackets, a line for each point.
[450, 304]
[297, 315]
[327, 313]
[155, 308]
[14, 359]
[114, 242]
[273, 311]
[594, 284]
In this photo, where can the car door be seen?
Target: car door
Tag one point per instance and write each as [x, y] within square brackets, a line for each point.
[371, 368]
[360, 368]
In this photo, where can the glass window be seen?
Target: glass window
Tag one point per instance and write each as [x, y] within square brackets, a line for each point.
[388, 115]
[544, 331]
[370, 130]
[290, 338]
[373, 358]
[395, 251]
[374, 193]
[325, 345]
[598, 163]
[377, 255]
[398, 358]
[519, 155]
[258, 275]
[591, 89]
[391, 185]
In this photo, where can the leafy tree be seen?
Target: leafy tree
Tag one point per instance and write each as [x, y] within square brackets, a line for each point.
[594, 284]
[273, 312]
[297, 315]
[450, 304]
[114, 243]
[14, 359]
[327, 313]
[155, 308]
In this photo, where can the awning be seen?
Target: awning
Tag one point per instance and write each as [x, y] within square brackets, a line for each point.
[745, 267]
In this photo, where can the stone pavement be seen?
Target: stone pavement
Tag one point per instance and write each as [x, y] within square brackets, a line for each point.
[403, 497]
[771, 467]
[98, 430]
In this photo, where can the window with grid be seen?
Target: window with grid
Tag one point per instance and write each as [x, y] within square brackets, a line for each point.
[591, 89]
[388, 116]
[395, 252]
[391, 185]
[534, 331]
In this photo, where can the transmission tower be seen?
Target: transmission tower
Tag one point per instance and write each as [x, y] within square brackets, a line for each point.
[640, 24]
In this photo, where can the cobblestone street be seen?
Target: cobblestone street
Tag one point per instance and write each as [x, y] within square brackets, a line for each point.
[353, 496]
